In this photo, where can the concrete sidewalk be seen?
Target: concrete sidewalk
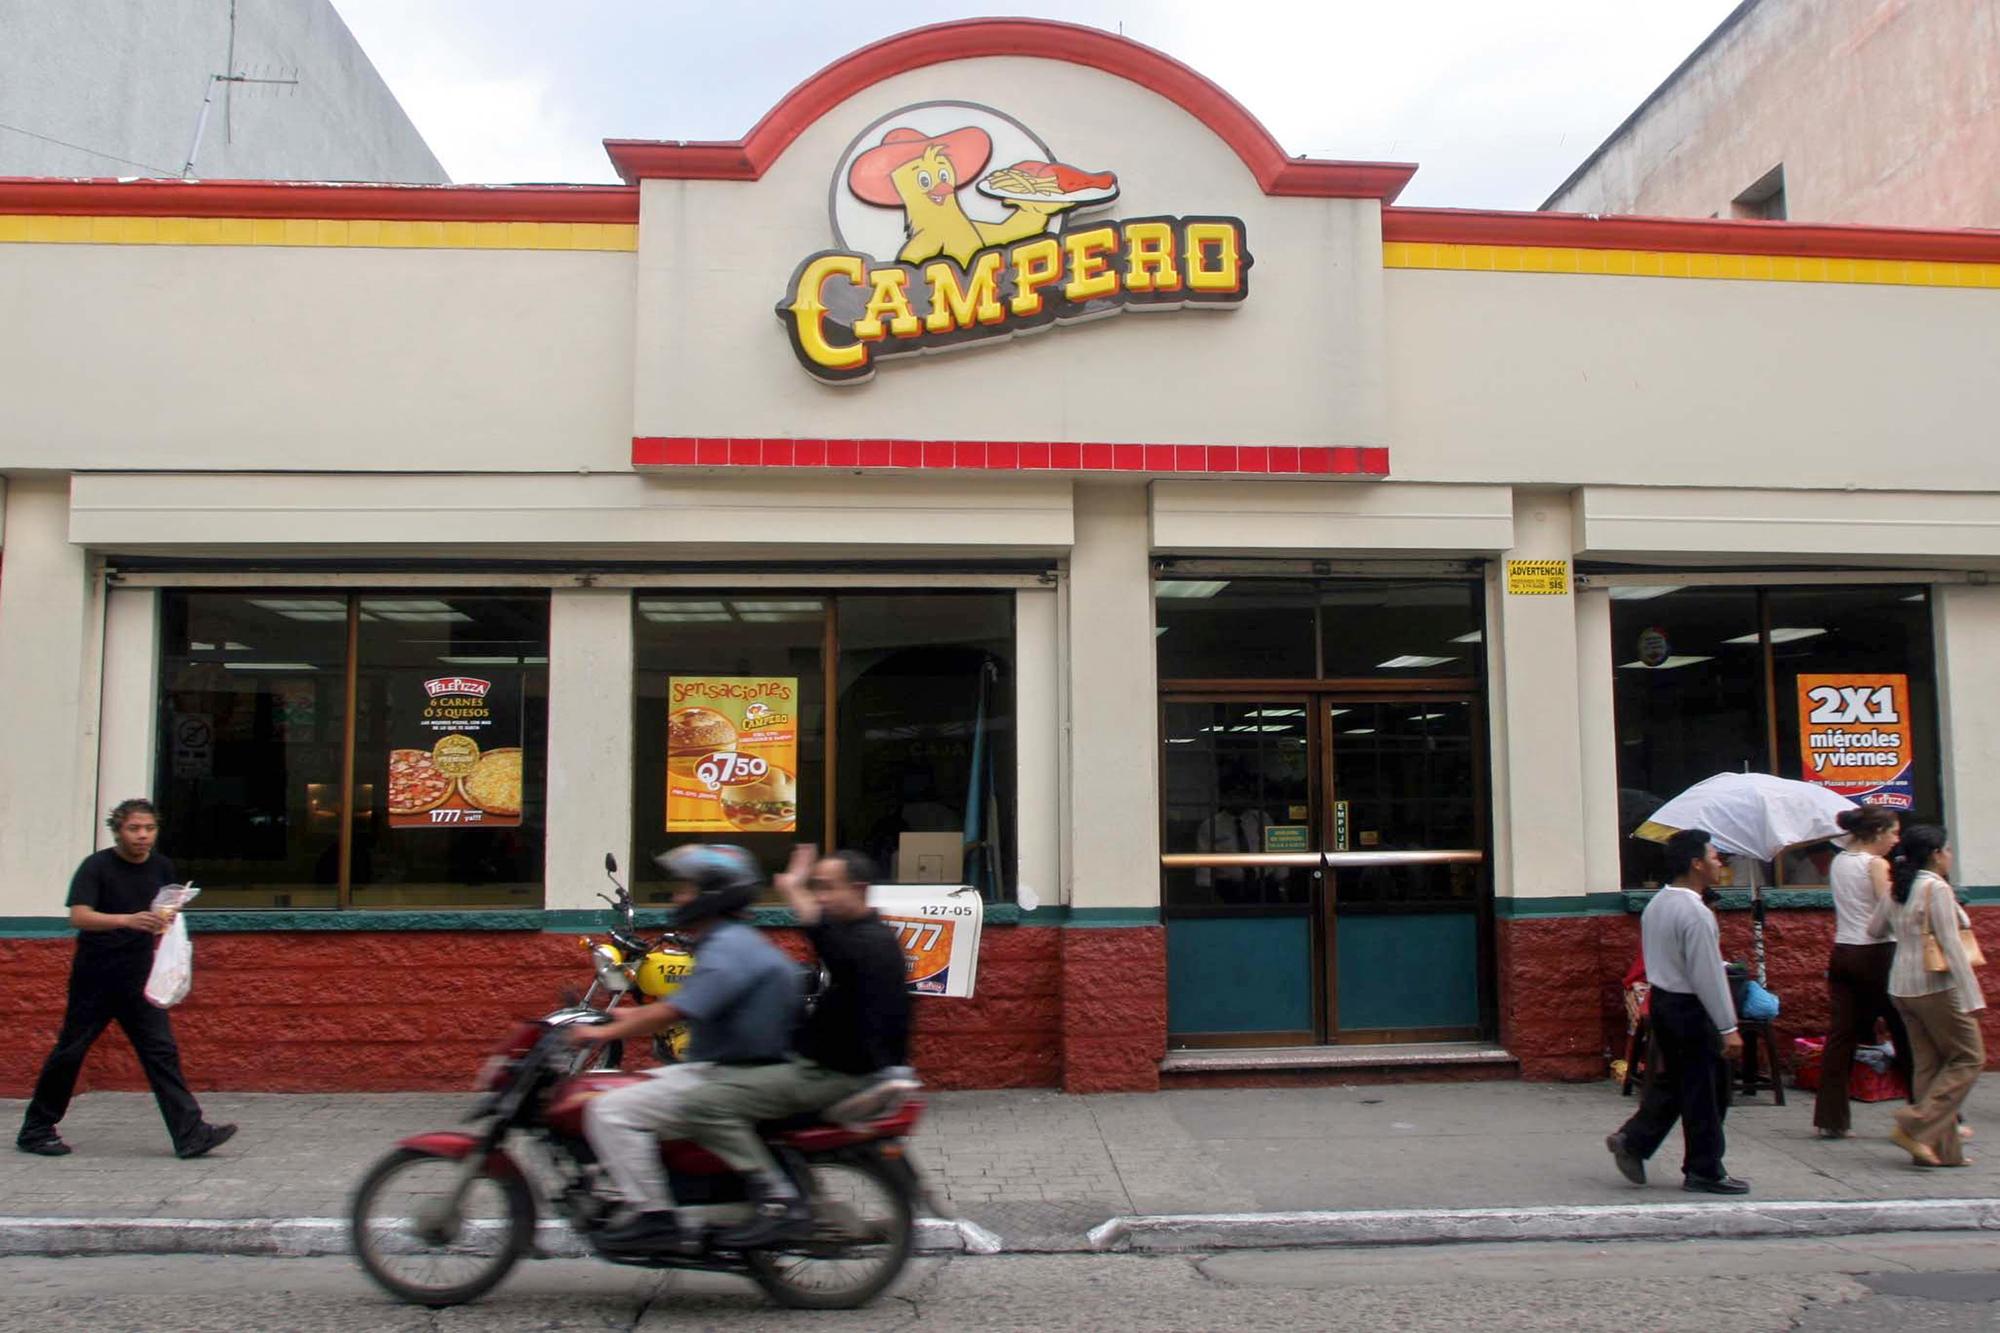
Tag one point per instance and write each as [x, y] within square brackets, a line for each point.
[1042, 1170]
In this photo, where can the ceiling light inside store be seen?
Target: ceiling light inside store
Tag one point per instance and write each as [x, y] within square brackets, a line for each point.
[1782, 634]
[1427, 717]
[687, 617]
[1359, 731]
[1477, 636]
[772, 617]
[1277, 712]
[1641, 592]
[415, 611]
[270, 666]
[1189, 587]
[1180, 740]
[1916, 597]
[746, 608]
[306, 608]
[1674, 661]
[1412, 660]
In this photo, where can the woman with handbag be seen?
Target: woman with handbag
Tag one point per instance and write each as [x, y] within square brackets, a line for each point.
[1857, 973]
[1933, 985]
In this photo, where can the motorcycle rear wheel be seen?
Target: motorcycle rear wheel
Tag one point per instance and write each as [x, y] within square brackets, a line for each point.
[417, 1268]
[863, 1232]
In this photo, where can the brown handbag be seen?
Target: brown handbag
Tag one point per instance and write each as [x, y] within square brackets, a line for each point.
[1934, 959]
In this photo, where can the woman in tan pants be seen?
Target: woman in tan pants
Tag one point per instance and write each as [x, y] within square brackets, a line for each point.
[1940, 1008]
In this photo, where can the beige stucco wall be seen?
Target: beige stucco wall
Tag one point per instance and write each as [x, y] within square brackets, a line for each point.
[1299, 362]
[210, 357]
[1569, 379]
[1881, 111]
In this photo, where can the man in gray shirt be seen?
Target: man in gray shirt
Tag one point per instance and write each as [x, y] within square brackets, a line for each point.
[742, 1002]
[1694, 1026]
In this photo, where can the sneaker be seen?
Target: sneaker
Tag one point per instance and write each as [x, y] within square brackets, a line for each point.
[1719, 1185]
[49, 1145]
[1630, 1164]
[645, 1232]
[206, 1139]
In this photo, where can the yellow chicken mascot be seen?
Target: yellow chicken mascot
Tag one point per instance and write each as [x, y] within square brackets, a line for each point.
[922, 174]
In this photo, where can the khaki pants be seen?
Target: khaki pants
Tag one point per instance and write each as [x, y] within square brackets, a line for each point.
[625, 1128]
[721, 1113]
[1948, 1054]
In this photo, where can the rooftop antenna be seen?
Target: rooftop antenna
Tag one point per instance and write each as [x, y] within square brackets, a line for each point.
[208, 102]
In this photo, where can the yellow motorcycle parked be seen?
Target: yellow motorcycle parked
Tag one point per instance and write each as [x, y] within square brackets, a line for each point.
[628, 967]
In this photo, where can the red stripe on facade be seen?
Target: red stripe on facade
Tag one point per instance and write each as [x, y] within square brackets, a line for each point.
[749, 158]
[1734, 236]
[1313, 460]
[317, 199]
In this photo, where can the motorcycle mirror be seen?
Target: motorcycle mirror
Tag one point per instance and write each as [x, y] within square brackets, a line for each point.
[610, 864]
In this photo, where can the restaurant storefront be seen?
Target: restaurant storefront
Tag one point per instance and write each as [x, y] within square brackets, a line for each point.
[1276, 607]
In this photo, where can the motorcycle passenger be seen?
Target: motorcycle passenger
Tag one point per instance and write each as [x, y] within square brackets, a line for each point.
[857, 1036]
[741, 1002]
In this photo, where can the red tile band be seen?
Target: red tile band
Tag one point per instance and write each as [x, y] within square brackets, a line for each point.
[1310, 460]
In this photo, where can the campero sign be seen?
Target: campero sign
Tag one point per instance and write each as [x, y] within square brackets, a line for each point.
[937, 246]
[732, 754]
[1855, 738]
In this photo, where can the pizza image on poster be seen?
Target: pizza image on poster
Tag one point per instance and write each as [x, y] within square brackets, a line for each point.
[458, 760]
[1855, 737]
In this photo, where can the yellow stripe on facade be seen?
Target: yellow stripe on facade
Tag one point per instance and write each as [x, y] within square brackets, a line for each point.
[1674, 264]
[357, 233]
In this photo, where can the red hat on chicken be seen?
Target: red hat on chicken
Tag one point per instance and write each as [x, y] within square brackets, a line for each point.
[968, 148]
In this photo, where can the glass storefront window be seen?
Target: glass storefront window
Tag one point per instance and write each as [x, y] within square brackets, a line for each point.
[1707, 680]
[912, 758]
[1249, 629]
[446, 751]
[1330, 629]
[1400, 629]
[1232, 771]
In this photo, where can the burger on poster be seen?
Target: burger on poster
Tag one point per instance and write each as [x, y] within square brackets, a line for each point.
[695, 733]
[766, 804]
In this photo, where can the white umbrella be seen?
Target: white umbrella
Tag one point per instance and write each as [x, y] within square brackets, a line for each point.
[1751, 814]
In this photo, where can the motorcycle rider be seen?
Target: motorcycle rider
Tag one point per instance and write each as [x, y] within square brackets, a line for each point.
[856, 1037]
[742, 1004]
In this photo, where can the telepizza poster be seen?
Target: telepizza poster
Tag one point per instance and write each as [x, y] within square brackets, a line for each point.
[938, 926]
[732, 754]
[455, 751]
[1855, 737]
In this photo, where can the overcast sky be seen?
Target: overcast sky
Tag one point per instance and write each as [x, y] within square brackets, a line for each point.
[1496, 101]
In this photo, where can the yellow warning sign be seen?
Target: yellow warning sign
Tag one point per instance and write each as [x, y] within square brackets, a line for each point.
[1537, 578]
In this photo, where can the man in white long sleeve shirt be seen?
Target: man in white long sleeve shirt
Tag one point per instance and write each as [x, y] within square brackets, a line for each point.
[1694, 1027]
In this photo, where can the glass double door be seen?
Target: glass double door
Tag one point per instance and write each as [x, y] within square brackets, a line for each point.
[1324, 868]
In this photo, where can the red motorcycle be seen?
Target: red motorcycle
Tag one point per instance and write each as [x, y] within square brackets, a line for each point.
[445, 1216]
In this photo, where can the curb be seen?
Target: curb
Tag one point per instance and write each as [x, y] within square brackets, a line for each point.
[1439, 1226]
[316, 1237]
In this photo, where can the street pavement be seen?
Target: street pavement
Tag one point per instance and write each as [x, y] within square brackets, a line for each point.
[1863, 1284]
[1041, 1169]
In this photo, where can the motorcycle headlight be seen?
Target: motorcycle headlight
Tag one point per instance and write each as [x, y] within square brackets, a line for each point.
[610, 967]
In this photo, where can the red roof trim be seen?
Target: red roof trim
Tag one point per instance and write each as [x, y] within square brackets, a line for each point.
[967, 39]
[1014, 456]
[315, 199]
[1736, 236]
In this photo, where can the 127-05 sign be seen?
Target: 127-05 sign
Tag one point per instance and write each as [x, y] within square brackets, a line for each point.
[1855, 737]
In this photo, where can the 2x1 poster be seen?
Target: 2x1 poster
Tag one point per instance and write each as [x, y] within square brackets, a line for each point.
[732, 754]
[1855, 737]
[456, 751]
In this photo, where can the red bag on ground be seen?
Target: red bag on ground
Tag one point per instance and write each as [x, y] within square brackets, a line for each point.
[1806, 1053]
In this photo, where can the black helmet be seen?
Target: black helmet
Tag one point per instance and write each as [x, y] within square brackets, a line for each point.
[725, 878]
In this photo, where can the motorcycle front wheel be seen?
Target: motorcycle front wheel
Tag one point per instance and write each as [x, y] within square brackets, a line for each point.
[419, 1256]
[863, 1232]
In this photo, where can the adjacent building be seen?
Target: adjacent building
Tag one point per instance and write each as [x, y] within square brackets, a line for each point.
[115, 88]
[1274, 604]
[1870, 111]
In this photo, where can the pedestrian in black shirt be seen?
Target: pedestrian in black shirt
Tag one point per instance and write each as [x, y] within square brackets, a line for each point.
[111, 905]
[857, 1036]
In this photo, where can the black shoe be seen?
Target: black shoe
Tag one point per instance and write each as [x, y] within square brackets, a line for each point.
[1630, 1164]
[779, 1218]
[49, 1145]
[647, 1232]
[1719, 1185]
[206, 1139]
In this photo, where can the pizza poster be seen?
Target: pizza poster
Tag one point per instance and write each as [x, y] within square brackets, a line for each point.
[455, 751]
[1855, 737]
[938, 926]
[732, 754]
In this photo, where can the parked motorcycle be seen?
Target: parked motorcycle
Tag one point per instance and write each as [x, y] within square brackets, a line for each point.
[627, 967]
[445, 1216]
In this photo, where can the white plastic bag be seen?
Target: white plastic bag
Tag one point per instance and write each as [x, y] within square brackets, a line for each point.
[173, 955]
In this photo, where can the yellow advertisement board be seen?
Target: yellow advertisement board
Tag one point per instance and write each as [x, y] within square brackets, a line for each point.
[732, 754]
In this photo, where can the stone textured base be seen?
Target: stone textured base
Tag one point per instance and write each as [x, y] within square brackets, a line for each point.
[1114, 1008]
